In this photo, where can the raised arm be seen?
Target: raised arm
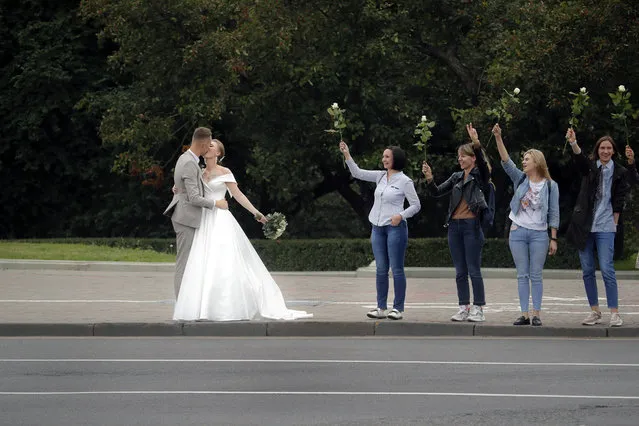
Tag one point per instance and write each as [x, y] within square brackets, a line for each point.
[191, 178]
[583, 164]
[633, 175]
[366, 175]
[503, 152]
[484, 171]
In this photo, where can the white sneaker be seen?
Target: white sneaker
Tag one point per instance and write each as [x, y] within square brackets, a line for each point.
[462, 315]
[594, 317]
[376, 313]
[395, 315]
[476, 314]
[615, 320]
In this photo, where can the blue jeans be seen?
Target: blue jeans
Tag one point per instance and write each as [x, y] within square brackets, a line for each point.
[529, 249]
[389, 247]
[465, 240]
[605, 242]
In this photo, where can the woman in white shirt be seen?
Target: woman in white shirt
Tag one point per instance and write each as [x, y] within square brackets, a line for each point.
[533, 208]
[389, 235]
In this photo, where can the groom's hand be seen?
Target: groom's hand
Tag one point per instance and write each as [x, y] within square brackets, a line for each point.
[222, 204]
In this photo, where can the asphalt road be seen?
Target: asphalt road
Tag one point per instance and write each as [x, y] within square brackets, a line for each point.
[320, 381]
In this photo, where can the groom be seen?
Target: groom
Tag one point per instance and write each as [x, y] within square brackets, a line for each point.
[185, 209]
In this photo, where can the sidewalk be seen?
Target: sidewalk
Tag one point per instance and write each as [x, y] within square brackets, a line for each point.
[49, 298]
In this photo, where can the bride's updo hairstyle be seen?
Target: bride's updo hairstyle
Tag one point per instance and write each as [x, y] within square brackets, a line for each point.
[221, 149]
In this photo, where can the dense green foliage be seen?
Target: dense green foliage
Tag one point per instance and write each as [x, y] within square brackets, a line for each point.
[342, 254]
[98, 98]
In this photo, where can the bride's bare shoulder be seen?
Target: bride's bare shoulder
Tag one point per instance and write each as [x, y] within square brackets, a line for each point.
[226, 171]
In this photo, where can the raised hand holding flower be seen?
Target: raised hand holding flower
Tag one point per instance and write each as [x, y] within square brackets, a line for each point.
[580, 102]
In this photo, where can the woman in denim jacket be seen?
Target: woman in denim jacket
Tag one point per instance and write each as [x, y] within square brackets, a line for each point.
[533, 208]
[389, 235]
[469, 189]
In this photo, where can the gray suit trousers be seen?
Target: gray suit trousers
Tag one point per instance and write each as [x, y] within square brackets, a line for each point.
[184, 239]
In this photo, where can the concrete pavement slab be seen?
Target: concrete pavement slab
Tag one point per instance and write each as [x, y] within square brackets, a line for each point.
[128, 302]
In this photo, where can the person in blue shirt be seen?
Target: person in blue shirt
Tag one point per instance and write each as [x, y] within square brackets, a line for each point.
[604, 184]
[533, 209]
[389, 235]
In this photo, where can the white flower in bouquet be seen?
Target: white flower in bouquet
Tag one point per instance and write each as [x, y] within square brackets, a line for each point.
[275, 226]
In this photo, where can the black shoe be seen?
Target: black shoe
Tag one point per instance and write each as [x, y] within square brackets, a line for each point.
[536, 322]
[522, 320]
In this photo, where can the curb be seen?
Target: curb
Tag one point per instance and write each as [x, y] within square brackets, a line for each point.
[305, 329]
[363, 272]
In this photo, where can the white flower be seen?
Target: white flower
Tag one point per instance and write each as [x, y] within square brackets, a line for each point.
[424, 119]
[622, 88]
[582, 90]
[516, 90]
[335, 106]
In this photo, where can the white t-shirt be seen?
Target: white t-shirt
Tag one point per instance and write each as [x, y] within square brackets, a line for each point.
[529, 214]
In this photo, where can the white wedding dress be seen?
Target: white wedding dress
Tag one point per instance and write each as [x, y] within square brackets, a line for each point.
[225, 279]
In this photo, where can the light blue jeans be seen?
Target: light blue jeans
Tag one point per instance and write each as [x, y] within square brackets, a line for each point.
[529, 249]
[605, 242]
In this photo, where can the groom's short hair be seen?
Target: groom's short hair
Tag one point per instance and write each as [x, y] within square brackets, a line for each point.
[202, 133]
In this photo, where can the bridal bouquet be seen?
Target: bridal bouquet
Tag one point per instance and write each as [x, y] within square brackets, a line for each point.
[275, 226]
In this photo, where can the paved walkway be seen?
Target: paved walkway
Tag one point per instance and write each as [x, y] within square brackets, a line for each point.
[85, 298]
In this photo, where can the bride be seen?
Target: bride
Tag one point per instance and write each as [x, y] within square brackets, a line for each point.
[225, 279]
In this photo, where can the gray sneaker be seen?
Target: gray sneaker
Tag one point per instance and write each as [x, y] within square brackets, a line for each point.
[476, 314]
[376, 313]
[615, 320]
[461, 315]
[594, 317]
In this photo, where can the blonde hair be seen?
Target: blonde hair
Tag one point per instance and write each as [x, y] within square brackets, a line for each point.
[467, 149]
[540, 161]
[221, 148]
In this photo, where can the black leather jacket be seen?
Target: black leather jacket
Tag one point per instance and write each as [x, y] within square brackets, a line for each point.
[472, 190]
[583, 212]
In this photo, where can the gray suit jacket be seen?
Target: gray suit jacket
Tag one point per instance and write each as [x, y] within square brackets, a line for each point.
[186, 206]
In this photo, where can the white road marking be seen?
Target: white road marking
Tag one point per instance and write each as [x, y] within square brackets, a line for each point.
[329, 393]
[320, 361]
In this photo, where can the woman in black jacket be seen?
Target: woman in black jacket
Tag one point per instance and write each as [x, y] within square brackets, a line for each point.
[465, 235]
[601, 199]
